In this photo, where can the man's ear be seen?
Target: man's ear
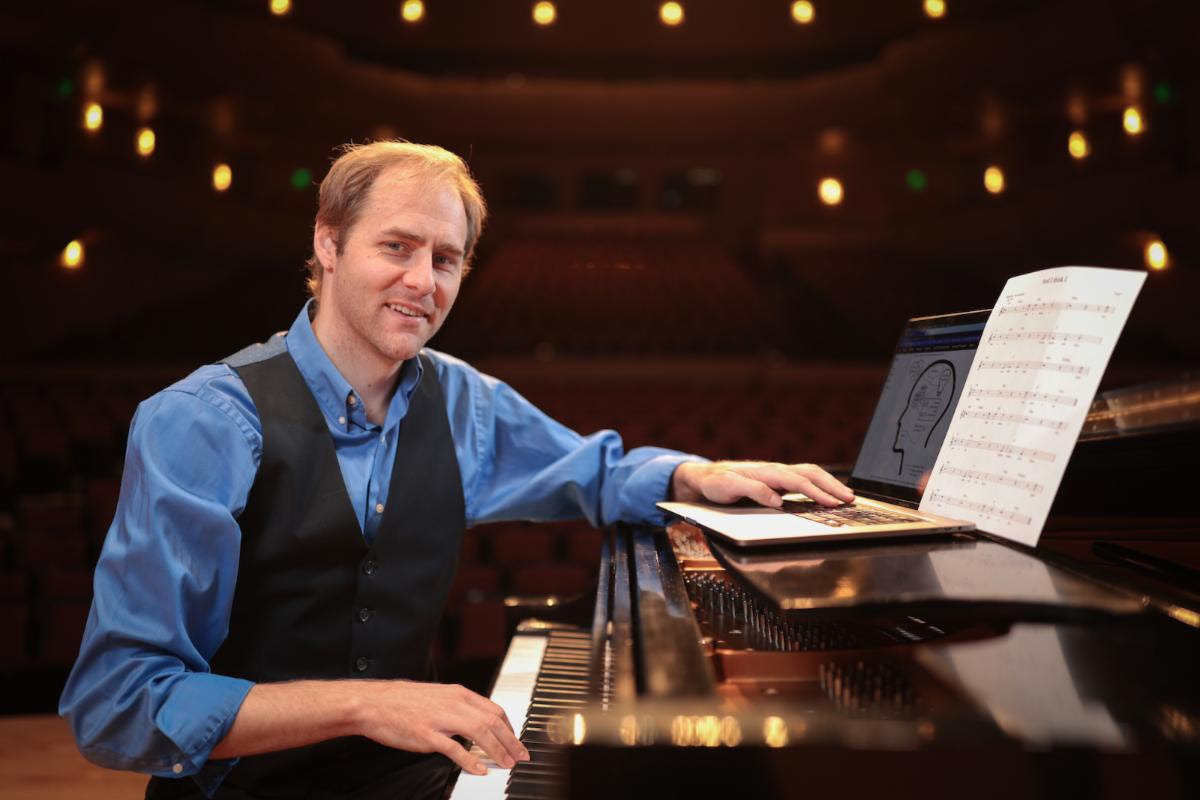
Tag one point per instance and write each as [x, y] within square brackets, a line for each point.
[325, 246]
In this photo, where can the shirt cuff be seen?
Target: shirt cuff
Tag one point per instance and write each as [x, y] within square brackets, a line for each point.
[648, 485]
[196, 715]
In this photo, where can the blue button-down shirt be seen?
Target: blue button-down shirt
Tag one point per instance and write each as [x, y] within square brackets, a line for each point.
[141, 695]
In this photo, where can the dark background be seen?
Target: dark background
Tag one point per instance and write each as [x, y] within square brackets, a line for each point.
[657, 258]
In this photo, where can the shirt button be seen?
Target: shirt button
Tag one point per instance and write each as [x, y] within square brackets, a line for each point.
[361, 663]
[341, 420]
[351, 399]
[370, 565]
[383, 438]
[364, 614]
[178, 768]
[379, 508]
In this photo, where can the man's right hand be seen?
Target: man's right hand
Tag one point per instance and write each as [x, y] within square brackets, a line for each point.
[422, 717]
[406, 715]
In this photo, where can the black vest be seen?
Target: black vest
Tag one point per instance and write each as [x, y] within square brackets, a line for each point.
[313, 600]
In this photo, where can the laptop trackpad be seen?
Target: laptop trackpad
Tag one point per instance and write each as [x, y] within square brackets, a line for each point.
[751, 524]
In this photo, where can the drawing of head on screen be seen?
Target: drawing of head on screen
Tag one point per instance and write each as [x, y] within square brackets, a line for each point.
[928, 401]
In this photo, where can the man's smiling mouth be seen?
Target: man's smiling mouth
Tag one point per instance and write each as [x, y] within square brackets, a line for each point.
[406, 311]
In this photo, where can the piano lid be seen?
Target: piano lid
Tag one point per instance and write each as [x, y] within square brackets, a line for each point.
[1145, 408]
[981, 576]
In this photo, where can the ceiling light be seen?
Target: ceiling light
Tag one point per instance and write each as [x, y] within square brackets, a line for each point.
[93, 116]
[830, 191]
[72, 255]
[1156, 255]
[544, 13]
[671, 13]
[1078, 146]
[993, 179]
[412, 10]
[145, 142]
[222, 177]
[1132, 121]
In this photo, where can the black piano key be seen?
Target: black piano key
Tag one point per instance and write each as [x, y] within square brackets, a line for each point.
[533, 786]
[545, 754]
[548, 771]
[550, 706]
[526, 793]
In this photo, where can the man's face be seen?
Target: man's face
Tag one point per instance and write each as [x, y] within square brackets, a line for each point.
[398, 274]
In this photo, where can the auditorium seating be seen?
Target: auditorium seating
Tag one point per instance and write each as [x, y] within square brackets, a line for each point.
[586, 297]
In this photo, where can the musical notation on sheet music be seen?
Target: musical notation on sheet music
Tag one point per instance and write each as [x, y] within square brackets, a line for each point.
[1043, 352]
[1046, 336]
[1069, 369]
[1028, 396]
[1019, 419]
[994, 477]
[1058, 305]
[1000, 448]
[985, 509]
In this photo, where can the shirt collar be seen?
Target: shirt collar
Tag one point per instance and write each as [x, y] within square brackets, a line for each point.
[331, 390]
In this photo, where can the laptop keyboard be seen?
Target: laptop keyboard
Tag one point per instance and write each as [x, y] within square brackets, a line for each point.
[848, 515]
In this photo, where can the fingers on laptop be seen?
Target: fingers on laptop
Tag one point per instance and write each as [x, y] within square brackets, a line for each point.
[808, 479]
[763, 482]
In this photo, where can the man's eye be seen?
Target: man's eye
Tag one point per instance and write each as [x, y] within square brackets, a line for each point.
[445, 262]
[396, 247]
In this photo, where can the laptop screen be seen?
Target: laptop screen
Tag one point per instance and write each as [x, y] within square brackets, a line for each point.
[922, 389]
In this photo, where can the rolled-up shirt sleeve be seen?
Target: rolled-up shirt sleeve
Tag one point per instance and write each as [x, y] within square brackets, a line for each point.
[519, 463]
[141, 695]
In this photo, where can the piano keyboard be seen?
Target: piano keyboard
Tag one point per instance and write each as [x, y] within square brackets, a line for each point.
[542, 675]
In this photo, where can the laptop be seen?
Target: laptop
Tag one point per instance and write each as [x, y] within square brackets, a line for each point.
[928, 370]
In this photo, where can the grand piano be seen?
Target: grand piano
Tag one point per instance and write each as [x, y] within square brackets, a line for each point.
[945, 666]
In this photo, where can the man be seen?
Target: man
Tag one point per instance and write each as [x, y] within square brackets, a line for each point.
[289, 520]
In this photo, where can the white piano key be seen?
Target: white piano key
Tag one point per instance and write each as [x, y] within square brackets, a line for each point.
[512, 691]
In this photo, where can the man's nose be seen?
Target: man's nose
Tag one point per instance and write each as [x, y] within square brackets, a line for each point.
[418, 276]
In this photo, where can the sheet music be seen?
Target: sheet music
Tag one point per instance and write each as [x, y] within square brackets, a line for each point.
[1043, 352]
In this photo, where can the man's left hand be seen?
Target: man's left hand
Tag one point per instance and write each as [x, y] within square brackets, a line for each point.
[760, 481]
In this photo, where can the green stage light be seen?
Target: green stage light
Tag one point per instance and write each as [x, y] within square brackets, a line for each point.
[302, 178]
[65, 88]
[1163, 93]
[916, 180]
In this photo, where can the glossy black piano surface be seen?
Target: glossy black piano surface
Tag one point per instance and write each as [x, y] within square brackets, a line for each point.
[1064, 686]
[699, 679]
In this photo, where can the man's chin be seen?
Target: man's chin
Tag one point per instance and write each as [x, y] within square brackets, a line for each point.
[405, 347]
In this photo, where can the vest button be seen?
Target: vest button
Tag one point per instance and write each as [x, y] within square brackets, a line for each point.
[361, 663]
[364, 614]
[369, 566]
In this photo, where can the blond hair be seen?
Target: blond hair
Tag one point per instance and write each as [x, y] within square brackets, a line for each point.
[349, 181]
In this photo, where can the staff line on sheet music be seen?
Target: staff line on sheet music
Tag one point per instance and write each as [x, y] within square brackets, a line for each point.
[1020, 394]
[1058, 305]
[1003, 449]
[994, 477]
[1073, 369]
[1046, 336]
[988, 509]
[1020, 419]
